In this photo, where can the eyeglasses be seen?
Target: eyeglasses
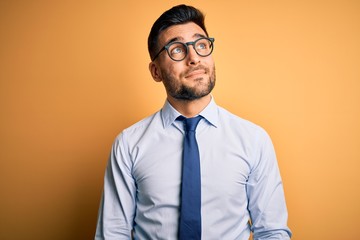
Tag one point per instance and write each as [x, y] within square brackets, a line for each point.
[178, 51]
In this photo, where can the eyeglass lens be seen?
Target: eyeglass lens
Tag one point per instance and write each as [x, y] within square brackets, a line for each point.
[178, 50]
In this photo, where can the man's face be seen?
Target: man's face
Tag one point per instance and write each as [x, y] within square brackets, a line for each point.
[191, 78]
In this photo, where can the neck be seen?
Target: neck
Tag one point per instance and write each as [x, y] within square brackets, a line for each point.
[190, 108]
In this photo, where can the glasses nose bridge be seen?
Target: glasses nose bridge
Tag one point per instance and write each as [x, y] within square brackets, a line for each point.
[193, 45]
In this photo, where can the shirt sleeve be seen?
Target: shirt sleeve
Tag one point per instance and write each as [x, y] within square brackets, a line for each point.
[266, 200]
[117, 207]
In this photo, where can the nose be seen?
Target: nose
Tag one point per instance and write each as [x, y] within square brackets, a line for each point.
[192, 57]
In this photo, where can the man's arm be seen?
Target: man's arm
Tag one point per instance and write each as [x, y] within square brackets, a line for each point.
[265, 192]
[117, 208]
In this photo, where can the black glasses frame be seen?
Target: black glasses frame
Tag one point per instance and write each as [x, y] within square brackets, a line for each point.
[166, 47]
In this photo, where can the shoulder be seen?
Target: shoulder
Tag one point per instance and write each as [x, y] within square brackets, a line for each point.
[249, 132]
[253, 138]
[138, 129]
[234, 121]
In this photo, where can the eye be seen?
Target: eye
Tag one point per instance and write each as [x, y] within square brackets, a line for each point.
[202, 46]
[177, 50]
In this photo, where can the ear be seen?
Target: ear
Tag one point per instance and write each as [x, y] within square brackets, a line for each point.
[155, 71]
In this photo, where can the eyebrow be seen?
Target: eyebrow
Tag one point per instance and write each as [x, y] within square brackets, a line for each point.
[176, 39]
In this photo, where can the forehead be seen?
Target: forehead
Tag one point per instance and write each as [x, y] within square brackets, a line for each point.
[182, 32]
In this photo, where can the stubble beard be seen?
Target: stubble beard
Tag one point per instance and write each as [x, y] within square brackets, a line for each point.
[184, 92]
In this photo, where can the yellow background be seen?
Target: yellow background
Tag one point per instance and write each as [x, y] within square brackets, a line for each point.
[73, 74]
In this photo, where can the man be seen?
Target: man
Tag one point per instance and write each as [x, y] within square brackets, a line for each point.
[232, 188]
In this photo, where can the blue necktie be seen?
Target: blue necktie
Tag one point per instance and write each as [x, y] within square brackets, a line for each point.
[190, 208]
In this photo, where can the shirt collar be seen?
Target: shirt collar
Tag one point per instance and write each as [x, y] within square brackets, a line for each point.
[168, 114]
[210, 113]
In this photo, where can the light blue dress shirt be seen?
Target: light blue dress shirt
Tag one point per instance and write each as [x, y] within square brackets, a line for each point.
[241, 187]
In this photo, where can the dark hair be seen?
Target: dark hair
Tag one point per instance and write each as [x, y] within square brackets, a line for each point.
[177, 15]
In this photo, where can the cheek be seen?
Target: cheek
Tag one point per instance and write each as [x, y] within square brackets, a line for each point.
[173, 70]
[210, 63]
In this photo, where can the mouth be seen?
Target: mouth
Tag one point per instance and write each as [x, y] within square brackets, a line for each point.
[195, 73]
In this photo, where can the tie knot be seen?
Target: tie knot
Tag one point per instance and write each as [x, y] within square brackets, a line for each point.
[190, 123]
